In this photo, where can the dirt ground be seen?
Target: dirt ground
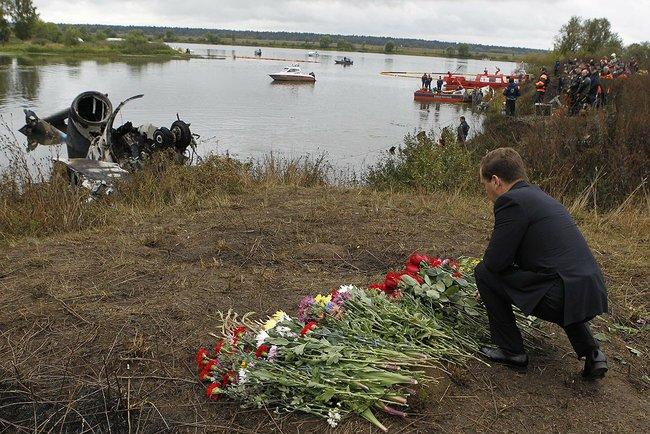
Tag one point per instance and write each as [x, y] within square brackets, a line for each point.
[107, 319]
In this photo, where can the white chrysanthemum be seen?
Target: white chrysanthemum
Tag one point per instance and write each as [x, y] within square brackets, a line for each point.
[285, 332]
[333, 418]
[346, 288]
[243, 376]
[261, 337]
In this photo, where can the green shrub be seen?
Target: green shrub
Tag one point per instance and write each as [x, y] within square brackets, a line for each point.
[426, 164]
[71, 37]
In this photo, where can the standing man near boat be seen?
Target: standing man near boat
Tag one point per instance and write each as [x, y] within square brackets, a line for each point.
[511, 93]
[424, 80]
[439, 83]
[463, 130]
[538, 260]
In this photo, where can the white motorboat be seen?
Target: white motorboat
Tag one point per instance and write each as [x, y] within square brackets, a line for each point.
[313, 54]
[293, 73]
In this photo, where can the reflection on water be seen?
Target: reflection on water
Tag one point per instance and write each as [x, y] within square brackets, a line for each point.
[351, 114]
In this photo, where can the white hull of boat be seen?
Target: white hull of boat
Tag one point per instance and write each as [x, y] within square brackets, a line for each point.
[293, 77]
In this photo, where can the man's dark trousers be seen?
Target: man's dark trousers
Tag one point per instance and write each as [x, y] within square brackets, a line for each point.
[510, 107]
[503, 327]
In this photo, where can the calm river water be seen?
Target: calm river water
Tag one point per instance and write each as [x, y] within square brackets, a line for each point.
[351, 114]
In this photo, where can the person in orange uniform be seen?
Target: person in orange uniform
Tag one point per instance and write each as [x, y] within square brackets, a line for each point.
[540, 86]
[606, 78]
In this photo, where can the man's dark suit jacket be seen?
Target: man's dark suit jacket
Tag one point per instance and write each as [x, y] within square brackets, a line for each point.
[535, 241]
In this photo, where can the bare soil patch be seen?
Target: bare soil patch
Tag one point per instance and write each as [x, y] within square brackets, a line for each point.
[108, 319]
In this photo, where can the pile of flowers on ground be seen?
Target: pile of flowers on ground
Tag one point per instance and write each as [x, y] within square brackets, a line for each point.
[353, 350]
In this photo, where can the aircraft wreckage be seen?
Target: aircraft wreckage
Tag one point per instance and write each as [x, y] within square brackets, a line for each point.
[99, 153]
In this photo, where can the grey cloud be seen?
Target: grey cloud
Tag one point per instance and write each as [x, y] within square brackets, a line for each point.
[502, 22]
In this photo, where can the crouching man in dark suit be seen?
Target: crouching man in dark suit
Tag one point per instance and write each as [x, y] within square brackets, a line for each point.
[538, 260]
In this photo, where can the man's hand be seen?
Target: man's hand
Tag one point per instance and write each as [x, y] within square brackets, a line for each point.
[477, 296]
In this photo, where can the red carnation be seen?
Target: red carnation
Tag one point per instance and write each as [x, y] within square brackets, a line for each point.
[380, 287]
[201, 356]
[307, 328]
[457, 274]
[228, 378]
[412, 269]
[219, 346]
[435, 262]
[213, 391]
[454, 264]
[416, 259]
[391, 281]
[238, 331]
[262, 351]
[206, 372]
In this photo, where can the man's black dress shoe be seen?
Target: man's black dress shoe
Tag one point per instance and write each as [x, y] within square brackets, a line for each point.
[505, 357]
[595, 365]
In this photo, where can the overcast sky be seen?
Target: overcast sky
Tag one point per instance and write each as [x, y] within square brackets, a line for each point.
[500, 22]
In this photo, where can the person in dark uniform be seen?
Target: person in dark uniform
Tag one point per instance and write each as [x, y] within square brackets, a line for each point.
[463, 130]
[594, 85]
[439, 83]
[574, 100]
[538, 260]
[511, 93]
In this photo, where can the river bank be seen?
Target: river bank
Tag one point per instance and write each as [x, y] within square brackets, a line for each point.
[94, 50]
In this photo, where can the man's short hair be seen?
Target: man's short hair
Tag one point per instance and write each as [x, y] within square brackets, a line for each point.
[506, 163]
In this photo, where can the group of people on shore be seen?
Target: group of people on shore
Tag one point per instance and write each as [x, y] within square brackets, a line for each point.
[589, 83]
[582, 83]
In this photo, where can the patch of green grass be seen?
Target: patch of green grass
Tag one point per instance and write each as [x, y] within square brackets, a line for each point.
[93, 49]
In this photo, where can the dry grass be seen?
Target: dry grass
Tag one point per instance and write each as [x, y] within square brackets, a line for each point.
[603, 154]
[34, 204]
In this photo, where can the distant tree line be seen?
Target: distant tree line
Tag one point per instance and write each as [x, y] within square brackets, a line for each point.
[342, 42]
